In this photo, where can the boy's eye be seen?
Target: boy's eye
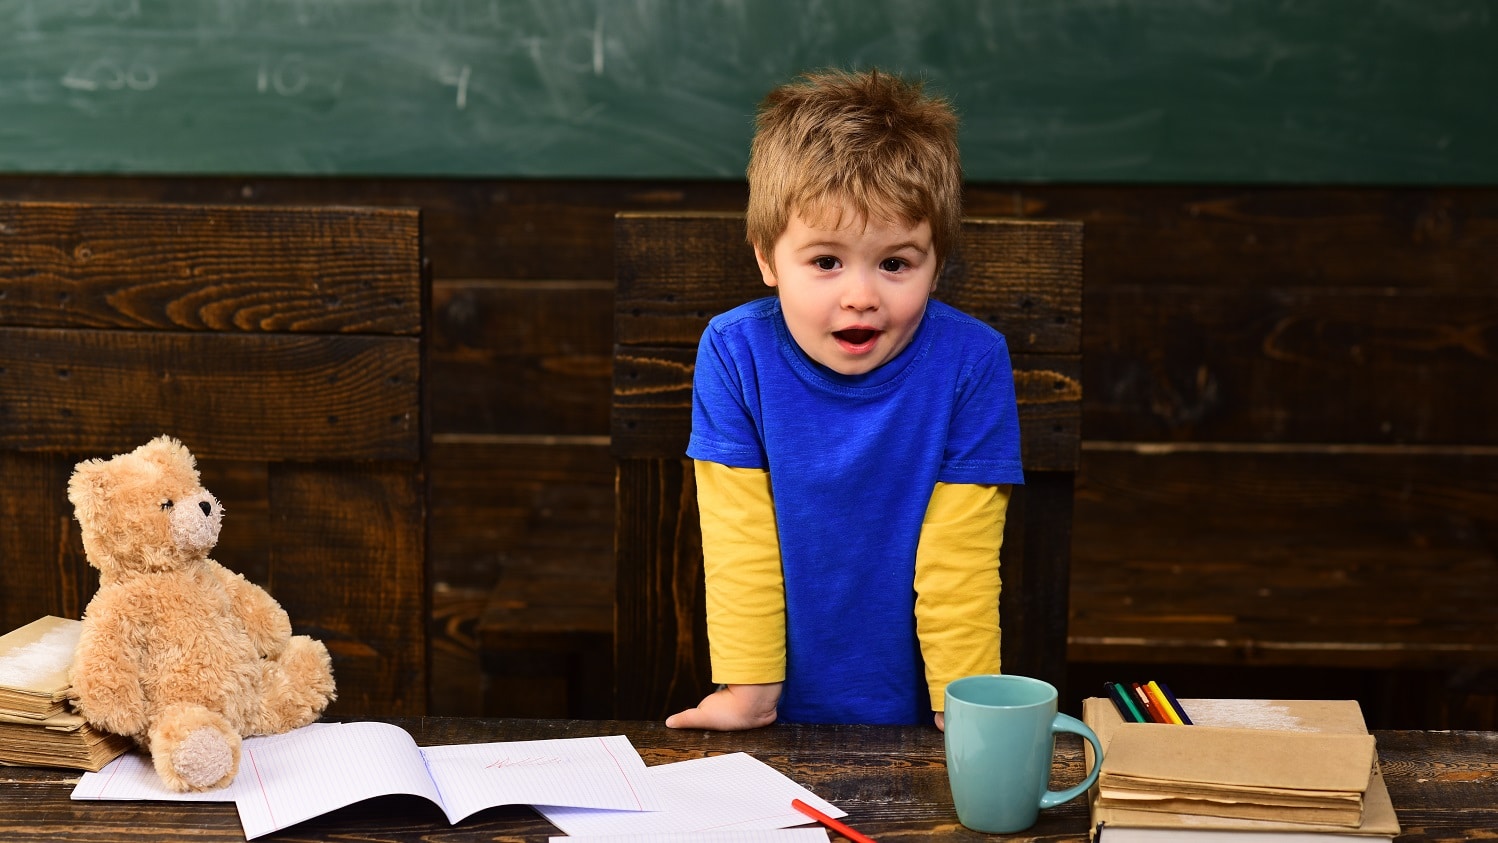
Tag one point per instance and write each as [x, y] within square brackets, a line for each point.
[892, 264]
[166, 504]
[826, 263]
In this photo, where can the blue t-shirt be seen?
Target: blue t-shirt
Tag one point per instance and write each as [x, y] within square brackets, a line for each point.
[853, 460]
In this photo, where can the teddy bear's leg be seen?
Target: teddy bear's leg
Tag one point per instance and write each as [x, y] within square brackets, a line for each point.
[193, 748]
[295, 687]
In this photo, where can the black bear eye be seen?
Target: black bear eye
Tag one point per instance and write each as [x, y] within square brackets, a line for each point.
[166, 504]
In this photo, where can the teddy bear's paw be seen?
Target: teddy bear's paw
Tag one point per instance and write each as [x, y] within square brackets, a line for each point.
[204, 760]
[297, 687]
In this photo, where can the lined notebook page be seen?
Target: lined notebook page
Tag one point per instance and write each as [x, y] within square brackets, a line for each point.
[764, 835]
[603, 772]
[132, 777]
[287, 781]
[720, 793]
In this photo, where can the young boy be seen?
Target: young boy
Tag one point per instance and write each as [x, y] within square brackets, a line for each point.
[854, 441]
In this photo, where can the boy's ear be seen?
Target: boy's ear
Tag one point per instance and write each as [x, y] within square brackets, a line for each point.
[766, 270]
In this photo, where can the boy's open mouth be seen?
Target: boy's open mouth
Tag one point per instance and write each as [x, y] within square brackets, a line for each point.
[856, 336]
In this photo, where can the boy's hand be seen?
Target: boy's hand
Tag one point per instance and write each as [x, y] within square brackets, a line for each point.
[731, 708]
[941, 722]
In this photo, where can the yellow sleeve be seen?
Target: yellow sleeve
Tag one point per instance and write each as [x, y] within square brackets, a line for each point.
[745, 586]
[957, 583]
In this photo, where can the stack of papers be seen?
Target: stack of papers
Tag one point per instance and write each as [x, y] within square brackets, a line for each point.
[585, 786]
[1272, 767]
[36, 726]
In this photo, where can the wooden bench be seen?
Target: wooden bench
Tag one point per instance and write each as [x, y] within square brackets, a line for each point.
[676, 271]
[284, 347]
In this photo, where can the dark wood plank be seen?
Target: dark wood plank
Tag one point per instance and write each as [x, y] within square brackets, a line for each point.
[1291, 364]
[1399, 239]
[546, 229]
[348, 566]
[42, 567]
[892, 781]
[235, 396]
[210, 268]
[511, 357]
[1377, 558]
[523, 503]
[660, 628]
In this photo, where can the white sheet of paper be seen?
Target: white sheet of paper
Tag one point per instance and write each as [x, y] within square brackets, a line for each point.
[285, 779]
[296, 780]
[758, 835]
[719, 793]
[603, 772]
[131, 777]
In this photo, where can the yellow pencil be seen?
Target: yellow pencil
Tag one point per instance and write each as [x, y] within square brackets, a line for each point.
[1158, 698]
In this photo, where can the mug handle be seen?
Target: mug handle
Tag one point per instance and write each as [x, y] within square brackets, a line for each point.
[1067, 723]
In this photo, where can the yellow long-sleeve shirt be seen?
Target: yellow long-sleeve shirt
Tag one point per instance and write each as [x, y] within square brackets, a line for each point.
[956, 579]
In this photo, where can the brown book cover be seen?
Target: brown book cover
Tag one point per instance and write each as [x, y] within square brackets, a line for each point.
[1231, 771]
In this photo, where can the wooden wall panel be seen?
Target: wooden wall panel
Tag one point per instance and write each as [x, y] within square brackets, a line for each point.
[1324, 557]
[521, 357]
[338, 568]
[513, 502]
[1228, 318]
[260, 397]
[42, 568]
[1292, 364]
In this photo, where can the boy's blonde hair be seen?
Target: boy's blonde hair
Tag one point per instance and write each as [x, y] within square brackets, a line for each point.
[834, 141]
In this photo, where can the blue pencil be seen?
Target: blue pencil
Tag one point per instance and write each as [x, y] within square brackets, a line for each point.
[1174, 703]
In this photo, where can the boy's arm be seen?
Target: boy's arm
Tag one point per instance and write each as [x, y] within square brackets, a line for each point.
[745, 599]
[957, 584]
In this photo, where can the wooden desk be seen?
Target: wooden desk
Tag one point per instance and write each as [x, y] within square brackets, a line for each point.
[890, 780]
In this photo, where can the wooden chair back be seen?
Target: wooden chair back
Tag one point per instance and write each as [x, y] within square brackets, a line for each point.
[674, 273]
[283, 346]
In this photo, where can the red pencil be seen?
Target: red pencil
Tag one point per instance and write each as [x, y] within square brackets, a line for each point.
[830, 822]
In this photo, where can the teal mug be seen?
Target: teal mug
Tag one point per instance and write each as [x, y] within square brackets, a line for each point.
[1000, 737]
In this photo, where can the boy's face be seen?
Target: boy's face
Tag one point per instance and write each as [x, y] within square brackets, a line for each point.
[854, 295]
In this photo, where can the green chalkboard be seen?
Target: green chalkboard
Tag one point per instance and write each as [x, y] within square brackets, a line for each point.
[1332, 91]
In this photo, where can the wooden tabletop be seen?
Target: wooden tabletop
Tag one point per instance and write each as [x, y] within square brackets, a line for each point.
[890, 780]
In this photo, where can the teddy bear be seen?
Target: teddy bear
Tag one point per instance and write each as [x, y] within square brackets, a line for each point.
[176, 651]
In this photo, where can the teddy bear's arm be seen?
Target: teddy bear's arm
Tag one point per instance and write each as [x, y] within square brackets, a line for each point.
[267, 622]
[105, 674]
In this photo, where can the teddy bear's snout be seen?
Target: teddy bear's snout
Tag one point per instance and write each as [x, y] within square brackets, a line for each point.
[195, 528]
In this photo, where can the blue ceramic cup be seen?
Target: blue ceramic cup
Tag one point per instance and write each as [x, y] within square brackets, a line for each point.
[1000, 737]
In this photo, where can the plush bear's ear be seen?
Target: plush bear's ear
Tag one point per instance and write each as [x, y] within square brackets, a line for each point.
[170, 454]
[88, 488]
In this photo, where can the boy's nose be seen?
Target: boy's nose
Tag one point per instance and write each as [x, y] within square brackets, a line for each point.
[859, 292]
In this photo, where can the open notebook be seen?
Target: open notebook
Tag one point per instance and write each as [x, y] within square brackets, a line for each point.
[596, 786]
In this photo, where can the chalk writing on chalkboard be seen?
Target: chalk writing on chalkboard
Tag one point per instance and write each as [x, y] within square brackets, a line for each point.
[1083, 90]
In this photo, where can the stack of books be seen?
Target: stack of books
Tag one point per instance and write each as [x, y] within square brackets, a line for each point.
[1244, 771]
[37, 728]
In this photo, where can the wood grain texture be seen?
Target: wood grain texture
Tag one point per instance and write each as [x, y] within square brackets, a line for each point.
[348, 562]
[892, 781]
[285, 342]
[1339, 263]
[660, 627]
[207, 268]
[278, 397]
[1368, 558]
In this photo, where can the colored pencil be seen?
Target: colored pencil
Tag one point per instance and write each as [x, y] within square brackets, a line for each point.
[1158, 698]
[1175, 703]
[1127, 708]
[831, 823]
